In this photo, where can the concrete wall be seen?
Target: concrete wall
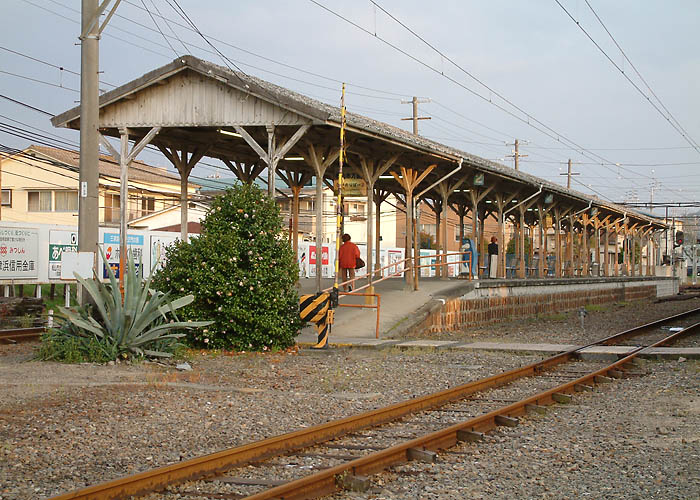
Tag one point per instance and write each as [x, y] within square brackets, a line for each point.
[504, 302]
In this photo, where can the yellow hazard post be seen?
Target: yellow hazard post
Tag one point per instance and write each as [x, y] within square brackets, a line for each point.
[317, 309]
[339, 204]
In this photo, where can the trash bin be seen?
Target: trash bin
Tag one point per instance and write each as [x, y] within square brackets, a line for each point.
[595, 269]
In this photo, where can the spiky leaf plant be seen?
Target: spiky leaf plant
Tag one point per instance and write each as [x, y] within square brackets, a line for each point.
[141, 325]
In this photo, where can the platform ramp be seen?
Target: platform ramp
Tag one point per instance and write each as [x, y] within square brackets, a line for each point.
[400, 309]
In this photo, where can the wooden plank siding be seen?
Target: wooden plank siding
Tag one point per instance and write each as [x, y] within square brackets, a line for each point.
[189, 99]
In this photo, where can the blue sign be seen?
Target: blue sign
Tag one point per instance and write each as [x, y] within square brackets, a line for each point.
[131, 239]
[469, 250]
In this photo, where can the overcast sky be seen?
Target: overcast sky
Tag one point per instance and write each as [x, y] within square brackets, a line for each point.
[530, 53]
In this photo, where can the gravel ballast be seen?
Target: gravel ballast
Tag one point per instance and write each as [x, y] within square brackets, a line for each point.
[64, 427]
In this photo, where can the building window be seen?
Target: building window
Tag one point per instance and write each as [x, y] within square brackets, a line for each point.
[39, 201]
[111, 207]
[7, 197]
[148, 205]
[66, 201]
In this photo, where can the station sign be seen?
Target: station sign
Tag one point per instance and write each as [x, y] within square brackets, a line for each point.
[352, 187]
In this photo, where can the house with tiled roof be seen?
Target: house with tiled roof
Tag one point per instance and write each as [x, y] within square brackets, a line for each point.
[40, 184]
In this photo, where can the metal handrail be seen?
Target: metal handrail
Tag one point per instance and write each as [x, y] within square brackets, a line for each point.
[365, 306]
[406, 269]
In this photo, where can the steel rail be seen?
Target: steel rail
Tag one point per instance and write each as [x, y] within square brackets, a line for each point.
[216, 463]
[13, 335]
[326, 481]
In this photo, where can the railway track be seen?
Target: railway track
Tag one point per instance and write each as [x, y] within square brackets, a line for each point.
[340, 454]
[15, 335]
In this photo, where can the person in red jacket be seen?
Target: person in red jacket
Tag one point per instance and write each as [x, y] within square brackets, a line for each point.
[347, 260]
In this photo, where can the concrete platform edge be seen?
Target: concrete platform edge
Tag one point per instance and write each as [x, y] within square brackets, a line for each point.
[600, 352]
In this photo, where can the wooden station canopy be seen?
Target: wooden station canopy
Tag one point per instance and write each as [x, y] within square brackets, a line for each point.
[191, 108]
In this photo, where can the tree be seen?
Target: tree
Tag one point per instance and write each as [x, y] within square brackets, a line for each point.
[241, 271]
[426, 240]
[511, 245]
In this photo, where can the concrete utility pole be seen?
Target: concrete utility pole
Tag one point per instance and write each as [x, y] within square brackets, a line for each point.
[415, 101]
[89, 175]
[516, 154]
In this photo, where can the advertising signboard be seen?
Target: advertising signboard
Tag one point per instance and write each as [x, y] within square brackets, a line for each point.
[60, 242]
[134, 242]
[158, 246]
[325, 261]
[19, 249]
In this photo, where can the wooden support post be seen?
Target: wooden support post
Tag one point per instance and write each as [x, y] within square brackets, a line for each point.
[481, 244]
[320, 160]
[445, 189]
[476, 196]
[571, 239]
[521, 242]
[296, 180]
[542, 261]
[380, 196]
[585, 260]
[557, 249]
[370, 173]
[184, 162]
[124, 158]
[274, 153]
[606, 249]
[616, 263]
[409, 180]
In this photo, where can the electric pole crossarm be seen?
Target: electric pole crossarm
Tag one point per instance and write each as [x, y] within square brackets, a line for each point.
[415, 101]
[96, 16]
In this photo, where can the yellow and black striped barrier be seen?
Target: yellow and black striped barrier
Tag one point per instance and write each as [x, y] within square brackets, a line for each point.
[317, 309]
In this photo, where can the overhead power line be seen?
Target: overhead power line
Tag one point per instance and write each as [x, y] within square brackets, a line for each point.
[519, 113]
[667, 115]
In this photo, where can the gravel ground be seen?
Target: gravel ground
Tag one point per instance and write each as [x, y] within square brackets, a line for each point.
[63, 427]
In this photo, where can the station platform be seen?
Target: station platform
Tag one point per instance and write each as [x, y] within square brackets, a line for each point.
[397, 305]
[444, 305]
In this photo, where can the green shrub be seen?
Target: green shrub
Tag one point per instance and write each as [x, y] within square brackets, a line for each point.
[241, 271]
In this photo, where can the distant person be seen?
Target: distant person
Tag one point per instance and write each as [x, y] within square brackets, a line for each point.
[493, 257]
[347, 260]
[302, 266]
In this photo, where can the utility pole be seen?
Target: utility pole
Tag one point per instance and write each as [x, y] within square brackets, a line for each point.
[88, 206]
[415, 101]
[654, 185]
[89, 175]
[568, 175]
[516, 154]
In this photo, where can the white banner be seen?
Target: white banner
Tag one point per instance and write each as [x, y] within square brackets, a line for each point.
[19, 253]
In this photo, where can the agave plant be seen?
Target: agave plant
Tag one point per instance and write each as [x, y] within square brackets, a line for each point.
[144, 319]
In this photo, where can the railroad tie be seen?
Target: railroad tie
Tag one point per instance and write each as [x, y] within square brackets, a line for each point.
[560, 397]
[506, 421]
[353, 483]
[469, 436]
[422, 455]
[536, 408]
[316, 309]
